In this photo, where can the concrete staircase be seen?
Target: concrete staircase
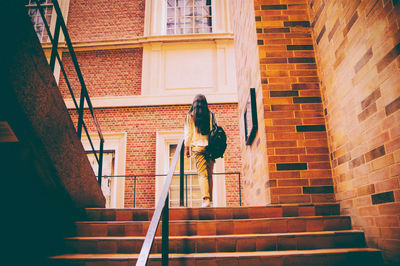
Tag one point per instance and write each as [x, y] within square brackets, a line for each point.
[274, 235]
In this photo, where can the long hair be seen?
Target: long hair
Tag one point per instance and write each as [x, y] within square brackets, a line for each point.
[200, 114]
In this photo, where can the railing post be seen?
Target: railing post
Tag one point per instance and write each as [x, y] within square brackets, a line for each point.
[101, 162]
[80, 114]
[55, 44]
[240, 193]
[134, 193]
[181, 172]
[165, 233]
[186, 190]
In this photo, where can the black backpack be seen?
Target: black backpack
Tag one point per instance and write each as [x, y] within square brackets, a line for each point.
[217, 140]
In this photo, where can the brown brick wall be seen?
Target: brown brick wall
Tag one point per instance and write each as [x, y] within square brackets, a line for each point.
[298, 156]
[106, 72]
[358, 47]
[141, 125]
[105, 20]
[254, 156]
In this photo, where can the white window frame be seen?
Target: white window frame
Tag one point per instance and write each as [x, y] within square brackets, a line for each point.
[193, 27]
[156, 18]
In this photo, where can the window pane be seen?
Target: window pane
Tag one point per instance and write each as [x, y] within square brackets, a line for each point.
[180, 2]
[198, 11]
[200, 22]
[32, 11]
[171, 2]
[171, 12]
[170, 23]
[188, 22]
[172, 149]
[187, 31]
[206, 11]
[188, 11]
[205, 30]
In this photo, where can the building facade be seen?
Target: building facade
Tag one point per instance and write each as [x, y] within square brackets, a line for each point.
[143, 62]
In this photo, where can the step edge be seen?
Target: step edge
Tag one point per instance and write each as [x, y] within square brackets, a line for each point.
[279, 253]
[234, 207]
[316, 233]
[232, 219]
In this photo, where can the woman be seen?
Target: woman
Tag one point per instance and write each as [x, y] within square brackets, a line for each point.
[197, 130]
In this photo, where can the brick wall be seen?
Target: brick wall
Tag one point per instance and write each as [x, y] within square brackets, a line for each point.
[298, 156]
[358, 47]
[255, 171]
[106, 72]
[141, 125]
[105, 20]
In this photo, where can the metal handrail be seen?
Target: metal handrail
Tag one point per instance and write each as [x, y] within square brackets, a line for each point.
[162, 208]
[60, 25]
[185, 186]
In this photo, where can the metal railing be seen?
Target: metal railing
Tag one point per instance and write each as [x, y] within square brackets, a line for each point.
[60, 25]
[162, 208]
[137, 177]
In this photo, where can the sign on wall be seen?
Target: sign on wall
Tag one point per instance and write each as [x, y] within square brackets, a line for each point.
[250, 117]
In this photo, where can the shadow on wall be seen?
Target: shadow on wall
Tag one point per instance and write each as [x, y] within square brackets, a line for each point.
[46, 176]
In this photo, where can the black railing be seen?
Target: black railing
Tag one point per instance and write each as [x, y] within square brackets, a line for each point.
[136, 180]
[60, 25]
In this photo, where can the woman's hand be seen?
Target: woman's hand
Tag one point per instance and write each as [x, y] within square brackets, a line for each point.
[187, 151]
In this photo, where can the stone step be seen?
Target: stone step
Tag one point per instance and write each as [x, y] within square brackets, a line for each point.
[224, 243]
[340, 256]
[286, 210]
[217, 227]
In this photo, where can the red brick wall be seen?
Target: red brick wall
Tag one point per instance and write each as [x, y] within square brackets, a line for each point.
[298, 156]
[105, 20]
[106, 72]
[358, 47]
[141, 125]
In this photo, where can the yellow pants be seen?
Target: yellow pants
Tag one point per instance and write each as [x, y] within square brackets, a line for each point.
[204, 166]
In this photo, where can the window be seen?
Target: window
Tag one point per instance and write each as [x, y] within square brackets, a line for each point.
[189, 16]
[193, 189]
[36, 18]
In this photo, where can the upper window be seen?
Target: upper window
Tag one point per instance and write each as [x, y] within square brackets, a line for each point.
[36, 18]
[189, 16]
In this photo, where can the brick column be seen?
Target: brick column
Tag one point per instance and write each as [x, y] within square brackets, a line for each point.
[298, 154]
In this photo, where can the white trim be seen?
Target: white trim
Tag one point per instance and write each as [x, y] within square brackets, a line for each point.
[150, 100]
[140, 41]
